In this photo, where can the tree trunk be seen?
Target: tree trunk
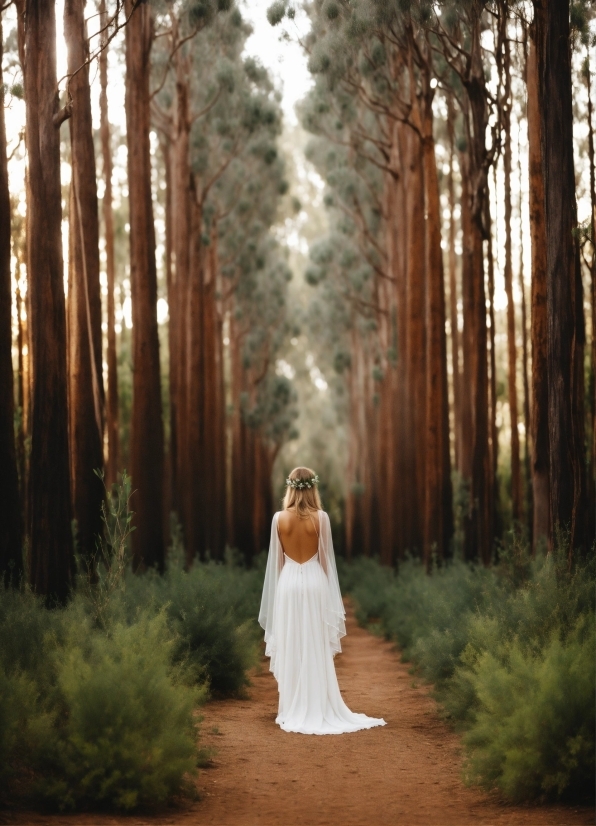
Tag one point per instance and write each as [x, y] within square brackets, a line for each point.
[169, 500]
[516, 487]
[214, 507]
[84, 299]
[565, 330]
[479, 521]
[52, 560]
[146, 457]
[416, 344]
[108, 218]
[438, 513]
[397, 224]
[192, 476]
[493, 429]
[180, 321]
[468, 333]
[239, 534]
[591, 494]
[22, 397]
[11, 550]
[528, 504]
[454, 323]
[220, 478]
[539, 405]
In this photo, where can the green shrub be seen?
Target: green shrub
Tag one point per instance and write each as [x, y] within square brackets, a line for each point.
[18, 695]
[212, 609]
[124, 733]
[533, 732]
[504, 647]
[98, 699]
[97, 709]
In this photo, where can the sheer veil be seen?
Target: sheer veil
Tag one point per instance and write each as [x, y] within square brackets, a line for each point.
[334, 608]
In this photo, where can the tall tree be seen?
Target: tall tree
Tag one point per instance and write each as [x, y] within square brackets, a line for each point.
[453, 288]
[108, 222]
[516, 482]
[52, 562]
[86, 396]
[147, 438]
[591, 486]
[459, 34]
[565, 322]
[11, 550]
[539, 406]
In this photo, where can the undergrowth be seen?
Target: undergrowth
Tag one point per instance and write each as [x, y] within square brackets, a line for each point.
[99, 700]
[510, 651]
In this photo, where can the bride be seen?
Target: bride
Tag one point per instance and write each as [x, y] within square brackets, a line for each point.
[303, 615]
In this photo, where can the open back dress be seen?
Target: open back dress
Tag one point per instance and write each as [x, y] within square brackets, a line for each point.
[303, 617]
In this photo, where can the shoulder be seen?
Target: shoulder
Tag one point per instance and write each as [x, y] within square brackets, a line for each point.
[281, 517]
[324, 516]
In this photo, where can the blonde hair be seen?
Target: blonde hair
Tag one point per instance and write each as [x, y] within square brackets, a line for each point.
[302, 500]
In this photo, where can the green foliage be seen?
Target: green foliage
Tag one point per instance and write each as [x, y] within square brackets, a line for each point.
[211, 609]
[90, 716]
[123, 731]
[510, 650]
[97, 700]
[533, 732]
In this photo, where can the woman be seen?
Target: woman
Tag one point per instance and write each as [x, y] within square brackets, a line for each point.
[303, 615]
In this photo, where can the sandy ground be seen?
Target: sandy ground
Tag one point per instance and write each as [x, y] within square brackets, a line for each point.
[407, 773]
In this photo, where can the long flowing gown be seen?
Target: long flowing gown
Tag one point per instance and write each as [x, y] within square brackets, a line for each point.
[303, 616]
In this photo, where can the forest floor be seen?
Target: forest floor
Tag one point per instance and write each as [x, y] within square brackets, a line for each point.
[407, 773]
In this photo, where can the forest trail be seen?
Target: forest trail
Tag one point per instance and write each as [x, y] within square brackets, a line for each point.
[407, 773]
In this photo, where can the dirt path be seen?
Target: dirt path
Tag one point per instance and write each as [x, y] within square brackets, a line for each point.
[404, 774]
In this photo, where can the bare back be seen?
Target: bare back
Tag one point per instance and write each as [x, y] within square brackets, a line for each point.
[299, 537]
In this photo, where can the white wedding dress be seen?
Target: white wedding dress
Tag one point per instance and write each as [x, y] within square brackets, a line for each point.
[303, 616]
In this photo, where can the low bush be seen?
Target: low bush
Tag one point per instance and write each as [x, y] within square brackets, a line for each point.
[98, 699]
[212, 610]
[533, 732]
[103, 718]
[124, 733]
[510, 650]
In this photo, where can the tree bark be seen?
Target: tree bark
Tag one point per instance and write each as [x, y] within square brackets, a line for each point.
[565, 330]
[416, 344]
[85, 396]
[516, 486]
[493, 429]
[194, 501]
[438, 513]
[479, 520]
[539, 404]
[146, 457]
[22, 397]
[170, 460]
[528, 504]
[453, 292]
[52, 560]
[182, 196]
[214, 507]
[108, 219]
[11, 550]
[592, 159]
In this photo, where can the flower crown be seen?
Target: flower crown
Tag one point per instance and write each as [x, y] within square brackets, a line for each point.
[303, 484]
